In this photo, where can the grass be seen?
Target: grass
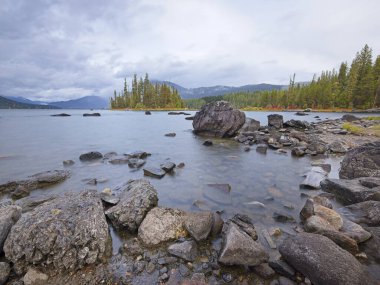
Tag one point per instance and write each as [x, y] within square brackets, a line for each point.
[372, 131]
[373, 118]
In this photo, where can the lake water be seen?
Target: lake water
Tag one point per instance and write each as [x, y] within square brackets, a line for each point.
[32, 141]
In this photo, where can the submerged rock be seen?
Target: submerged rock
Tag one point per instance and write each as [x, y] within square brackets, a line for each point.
[168, 166]
[218, 119]
[322, 261]
[161, 225]
[367, 212]
[61, 115]
[136, 200]
[92, 155]
[154, 172]
[65, 234]
[363, 161]
[262, 148]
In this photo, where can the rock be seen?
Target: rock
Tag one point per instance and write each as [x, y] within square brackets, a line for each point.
[322, 261]
[208, 143]
[317, 223]
[367, 212]
[161, 225]
[154, 172]
[179, 113]
[337, 147]
[28, 204]
[218, 119]
[199, 224]
[120, 160]
[372, 246]
[148, 113]
[170, 135]
[35, 277]
[301, 136]
[186, 250]
[282, 268]
[275, 120]
[282, 218]
[314, 178]
[318, 147]
[261, 148]
[325, 166]
[240, 249]
[341, 239]
[299, 113]
[9, 215]
[355, 231]
[68, 162]
[138, 154]
[370, 182]
[269, 240]
[298, 151]
[329, 215]
[307, 210]
[218, 193]
[61, 115]
[350, 118]
[297, 124]
[245, 224]
[190, 118]
[168, 166]
[181, 165]
[247, 148]
[5, 269]
[350, 191]
[135, 162]
[217, 225]
[65, 234]
[36, 181]
[250, 125]
[91, 115]
[110, 154]
[363, 161]
[109, 199]
[93, 155]
[20, 192]
[138, 197]
[264, 271]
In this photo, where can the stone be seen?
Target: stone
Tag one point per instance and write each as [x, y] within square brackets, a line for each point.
[337, 147]
[355, 231]
[314, 178]
[341, 239]
[298, 151]
[207, 143]
[190, 118]
[240, 249]
[186, 250]
[137, 154]
[370, 182]
[218, 193]
[325, 166]
[297, 124]
[5, 269]
[9, 215]
[217, 225]
[36, 181]
[64, 234]
[264, 271]
[199, 224]
[299, 113]
[154, 172]
[372, 246]
[367, 212]
[350, 118]
[148, 113]
[332, 217]
[20, 192]
[316, 223]
[68, 162]
[319, 147]
[247, 148]
[276, 121]
[119, 160]
[137, 199]
[35, 277]
[170, 135]
[362, 161]
[89, 156]
[282, 268]
[218, 119]
[161, 225]
[350, 191]
[307, 210]
[250, 125]
[61, 115]
[322, 261]
[245, 224]
[168, 166]
[282, 217]
[262, 148]
[27, 204]
[135, 162]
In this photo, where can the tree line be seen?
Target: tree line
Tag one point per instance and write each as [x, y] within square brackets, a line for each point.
[356, 86]
[145, 94]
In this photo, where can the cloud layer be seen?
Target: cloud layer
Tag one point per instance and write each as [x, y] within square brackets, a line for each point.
[57, 50]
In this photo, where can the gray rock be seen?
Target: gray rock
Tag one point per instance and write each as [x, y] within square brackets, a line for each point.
[341, 239]
[314, 178]
[250, 125]
[337, 147]
[282, 217]
[28, 203]
[282, 268]
[299, 113]
[264, 271]
[154, 172]
[275, 120]
[218, 119]
[240, 249]
[207, 143]
[135, 162]
[322, 261]
[68, 162]
[367, 212]
[119, 160]
[350, 191]
[91, 115]
[372, 246]
[92, 155]
[199, 224]
[138, 154]
[262, 148]
[9, 215]
[318, 147]
[370, 182]
[64, 234]
[109, 199]
[363, 161]
[61, 115]
[138, 197]
[168, 166]
[350, 118]
[297, 124]
[307, 210]
[186, 250]
[35, 277]
[36, 181]
[5, 269]
[355, 231]
[170, 135]
[325, 166]
[298, 151]
[161, 225]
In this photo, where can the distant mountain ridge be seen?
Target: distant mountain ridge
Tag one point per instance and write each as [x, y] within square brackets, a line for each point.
[6, 103]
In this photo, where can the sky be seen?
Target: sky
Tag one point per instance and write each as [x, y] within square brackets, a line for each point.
[60, 50]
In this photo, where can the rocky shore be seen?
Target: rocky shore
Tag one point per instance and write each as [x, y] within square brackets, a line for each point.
[67, 239]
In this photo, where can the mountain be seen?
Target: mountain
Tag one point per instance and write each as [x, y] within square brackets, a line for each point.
[199, 92]
[6, 103]
[87, 102]
[26, 101]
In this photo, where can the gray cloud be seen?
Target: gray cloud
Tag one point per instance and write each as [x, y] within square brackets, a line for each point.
[56, 50]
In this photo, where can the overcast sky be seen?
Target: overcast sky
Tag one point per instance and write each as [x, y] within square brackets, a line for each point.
[54, 50]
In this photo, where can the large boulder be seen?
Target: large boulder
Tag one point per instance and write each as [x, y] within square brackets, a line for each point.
[64, 234]
[322, 261]
[351, 191]
[161, 225]
[250, 125]
[297, 124]
[136, 200]
[9, 215]
[275, 120]
[218, 119]
[363, 161]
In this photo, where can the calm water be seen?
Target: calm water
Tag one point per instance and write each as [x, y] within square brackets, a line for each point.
[32, 141]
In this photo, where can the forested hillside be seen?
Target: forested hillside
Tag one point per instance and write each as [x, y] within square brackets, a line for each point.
[353, 86]
[145, 94]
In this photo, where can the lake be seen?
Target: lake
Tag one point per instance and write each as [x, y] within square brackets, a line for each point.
[32, 141]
